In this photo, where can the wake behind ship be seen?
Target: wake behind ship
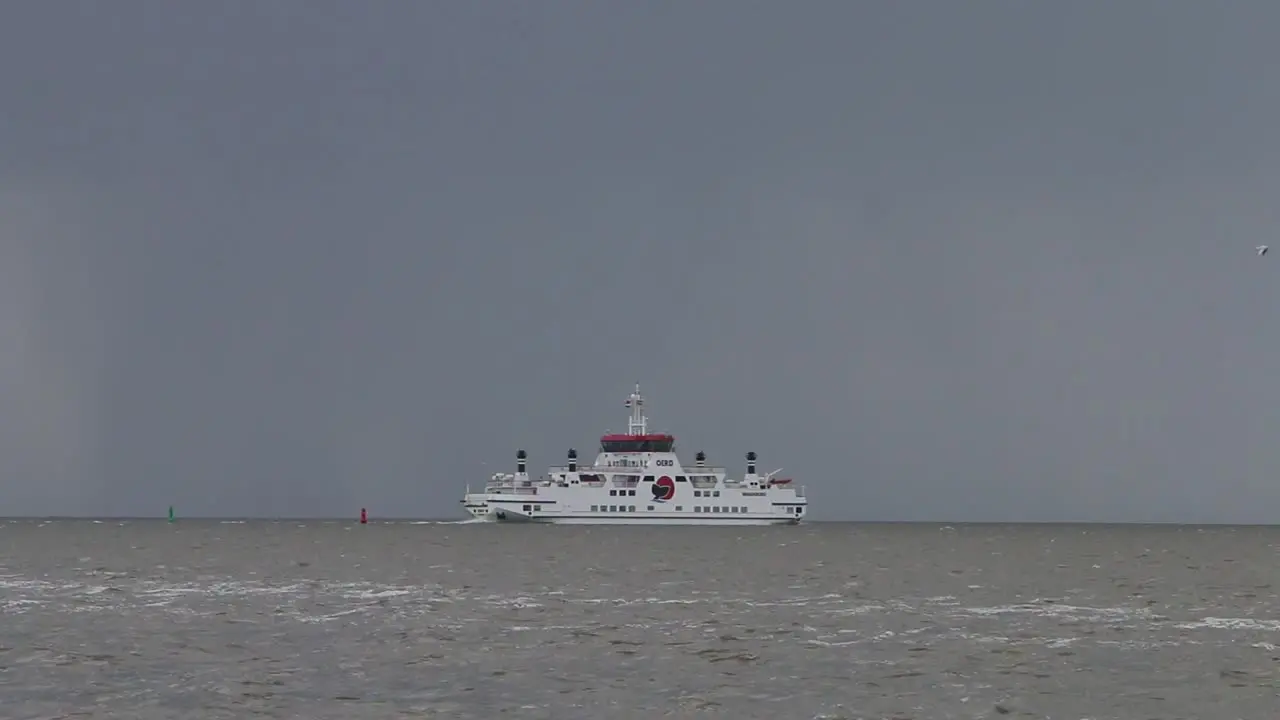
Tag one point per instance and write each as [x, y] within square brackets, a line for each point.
[638, 479]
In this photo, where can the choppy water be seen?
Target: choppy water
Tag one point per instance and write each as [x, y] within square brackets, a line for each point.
[315, 620]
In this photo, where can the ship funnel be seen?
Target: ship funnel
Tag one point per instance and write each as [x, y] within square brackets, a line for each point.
[751, 463]
[520, 458]
[573, 460]
[701, 459]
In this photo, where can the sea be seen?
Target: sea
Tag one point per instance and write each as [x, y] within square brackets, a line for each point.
[317, 619]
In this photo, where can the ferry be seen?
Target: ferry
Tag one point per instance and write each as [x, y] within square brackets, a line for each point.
[638, 479]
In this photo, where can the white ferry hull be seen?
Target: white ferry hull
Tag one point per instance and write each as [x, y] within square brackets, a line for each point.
[701, 522]
[506, 510]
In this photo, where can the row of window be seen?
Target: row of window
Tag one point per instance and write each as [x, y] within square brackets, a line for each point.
[679, 508]
[696, 493]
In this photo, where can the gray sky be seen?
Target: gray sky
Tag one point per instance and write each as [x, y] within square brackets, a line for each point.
[963, 261]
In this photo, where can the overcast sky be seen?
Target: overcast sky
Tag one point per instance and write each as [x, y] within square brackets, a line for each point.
[937, 260]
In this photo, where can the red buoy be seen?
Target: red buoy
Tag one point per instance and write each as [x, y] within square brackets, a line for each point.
[364, 517]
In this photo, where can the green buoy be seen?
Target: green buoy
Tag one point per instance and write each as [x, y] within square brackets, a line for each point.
[170, 513]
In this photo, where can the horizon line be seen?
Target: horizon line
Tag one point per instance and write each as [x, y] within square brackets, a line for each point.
[460, 520]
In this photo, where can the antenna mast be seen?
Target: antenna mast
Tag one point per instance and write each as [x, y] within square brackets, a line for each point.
[638, 424]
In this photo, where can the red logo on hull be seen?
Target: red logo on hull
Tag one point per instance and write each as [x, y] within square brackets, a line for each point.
[664, 488]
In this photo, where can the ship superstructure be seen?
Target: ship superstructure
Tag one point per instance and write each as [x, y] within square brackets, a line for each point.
[638, 479]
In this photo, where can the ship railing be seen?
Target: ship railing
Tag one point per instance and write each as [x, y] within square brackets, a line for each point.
[504, 486]
[515, 490]
[626, 470]
[587, 469]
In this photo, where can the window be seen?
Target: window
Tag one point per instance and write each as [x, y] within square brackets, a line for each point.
[595, 508]
[697, 508]
[613, 492]
[632, 493]
[613, 508]
[697, 493]
[631, 509]
[634, 444]
[716, 493]
[679, 508]
[527, 508]
[537, 508]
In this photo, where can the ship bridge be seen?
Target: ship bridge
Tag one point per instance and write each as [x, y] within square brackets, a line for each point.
[637, 443]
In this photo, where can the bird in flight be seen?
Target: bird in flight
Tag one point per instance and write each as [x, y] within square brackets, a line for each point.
[1262, 250]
